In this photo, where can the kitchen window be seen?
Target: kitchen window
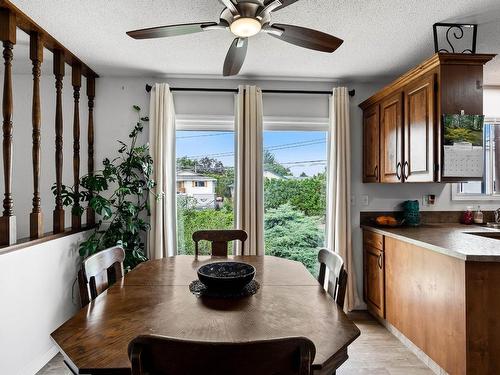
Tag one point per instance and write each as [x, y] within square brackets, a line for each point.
[489, 188]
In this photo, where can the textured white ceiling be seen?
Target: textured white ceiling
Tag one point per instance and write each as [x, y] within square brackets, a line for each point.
[382, 38]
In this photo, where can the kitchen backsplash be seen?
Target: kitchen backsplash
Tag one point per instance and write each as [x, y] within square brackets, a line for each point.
[427, 217]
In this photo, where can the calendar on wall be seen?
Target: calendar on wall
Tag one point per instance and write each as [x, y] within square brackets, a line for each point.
[463, 149]
[463, 161]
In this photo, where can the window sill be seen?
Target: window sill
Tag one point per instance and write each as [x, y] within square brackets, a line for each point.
[472, 197]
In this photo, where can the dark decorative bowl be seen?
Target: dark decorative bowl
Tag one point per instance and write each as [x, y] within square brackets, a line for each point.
[226, 275]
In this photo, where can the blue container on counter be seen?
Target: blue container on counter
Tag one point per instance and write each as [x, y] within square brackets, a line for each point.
[411, 213]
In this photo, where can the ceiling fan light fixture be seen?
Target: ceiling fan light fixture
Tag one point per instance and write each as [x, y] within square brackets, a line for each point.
[245, 27]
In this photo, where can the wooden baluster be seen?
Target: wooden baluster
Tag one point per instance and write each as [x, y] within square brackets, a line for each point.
[59, 75]
[8, 37]
[90, 139]
[36, 56]
[76, 220]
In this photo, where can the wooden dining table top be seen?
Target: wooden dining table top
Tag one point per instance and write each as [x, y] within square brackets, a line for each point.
[154, 298]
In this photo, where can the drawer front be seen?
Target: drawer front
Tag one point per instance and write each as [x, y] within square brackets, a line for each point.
[373, 239]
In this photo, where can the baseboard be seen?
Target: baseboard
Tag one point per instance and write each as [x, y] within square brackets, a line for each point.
[37, 364]
[428, 361]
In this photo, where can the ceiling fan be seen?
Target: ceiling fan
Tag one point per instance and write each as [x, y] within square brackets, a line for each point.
[244, 19]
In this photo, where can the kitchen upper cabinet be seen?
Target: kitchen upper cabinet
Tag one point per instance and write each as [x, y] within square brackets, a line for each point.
[371, 139]
[402, 122]
[419, 131]
[391, 139]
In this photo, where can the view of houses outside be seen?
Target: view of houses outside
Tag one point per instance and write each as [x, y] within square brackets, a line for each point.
[294, 190]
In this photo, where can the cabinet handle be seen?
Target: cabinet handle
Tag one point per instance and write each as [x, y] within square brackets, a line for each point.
[405, 170]
[375, 172]
[379, 261]
[398, 168]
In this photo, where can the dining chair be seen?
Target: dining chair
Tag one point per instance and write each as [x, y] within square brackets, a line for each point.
[337, 275]
[160, 355]
[99, 271]
[220, 240]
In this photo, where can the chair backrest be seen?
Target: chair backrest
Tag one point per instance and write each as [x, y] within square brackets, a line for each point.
[220, 240]
[99, 271]
[337, 275]
[160, 355]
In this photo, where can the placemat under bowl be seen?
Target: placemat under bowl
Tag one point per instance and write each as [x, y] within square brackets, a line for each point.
[200, 290]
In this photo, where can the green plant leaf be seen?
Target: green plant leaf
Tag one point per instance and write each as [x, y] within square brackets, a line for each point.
[118, 194]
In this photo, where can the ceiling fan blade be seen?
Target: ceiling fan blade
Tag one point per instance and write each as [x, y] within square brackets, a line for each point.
[284, 2]
[170, 30]
[307, 38]
[235, 57]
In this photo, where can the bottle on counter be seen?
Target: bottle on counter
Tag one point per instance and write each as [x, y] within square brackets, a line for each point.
[478, 216]
[467, 216]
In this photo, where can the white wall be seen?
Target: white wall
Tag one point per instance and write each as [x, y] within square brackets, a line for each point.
[491, 104]
[114, 116]
[37, 295]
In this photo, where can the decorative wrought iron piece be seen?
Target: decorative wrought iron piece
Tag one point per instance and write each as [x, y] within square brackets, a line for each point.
[455, 31]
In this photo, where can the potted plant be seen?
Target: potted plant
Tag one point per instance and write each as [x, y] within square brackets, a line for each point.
[119, 194]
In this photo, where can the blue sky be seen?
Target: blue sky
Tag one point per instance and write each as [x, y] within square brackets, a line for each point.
[291, 148]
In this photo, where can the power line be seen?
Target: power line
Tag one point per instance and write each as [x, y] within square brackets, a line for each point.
[294, 146]
[284, 146]
[304, 162]
[205, 135]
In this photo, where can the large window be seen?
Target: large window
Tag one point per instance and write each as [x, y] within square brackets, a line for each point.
[489, 187]
[295, 161]
[205, 180]
[295, 192]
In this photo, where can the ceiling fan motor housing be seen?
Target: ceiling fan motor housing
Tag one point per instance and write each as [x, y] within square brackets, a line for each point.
[245, 10]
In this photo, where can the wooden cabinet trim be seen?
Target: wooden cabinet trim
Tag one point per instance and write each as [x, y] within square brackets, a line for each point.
[426, 66]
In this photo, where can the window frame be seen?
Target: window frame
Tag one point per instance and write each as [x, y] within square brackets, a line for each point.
[201, 184]
[456, 195]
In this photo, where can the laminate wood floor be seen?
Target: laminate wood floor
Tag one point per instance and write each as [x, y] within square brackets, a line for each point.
[375, 352]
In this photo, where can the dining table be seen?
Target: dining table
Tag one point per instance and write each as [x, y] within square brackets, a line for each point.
[154, 298]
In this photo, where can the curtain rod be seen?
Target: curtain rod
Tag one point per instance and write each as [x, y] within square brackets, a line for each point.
[199, 89]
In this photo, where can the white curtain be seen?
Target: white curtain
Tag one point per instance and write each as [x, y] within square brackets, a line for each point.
[162, 236]
[249, 170]
[338, 226]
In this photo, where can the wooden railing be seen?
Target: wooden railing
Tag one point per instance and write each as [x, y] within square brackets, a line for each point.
[12, 18]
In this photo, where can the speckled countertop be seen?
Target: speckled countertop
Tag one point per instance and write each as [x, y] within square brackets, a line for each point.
[460, 241]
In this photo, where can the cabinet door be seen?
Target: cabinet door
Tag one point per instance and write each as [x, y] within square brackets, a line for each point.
[419, 131]
[391, 139]
[374, 280]
[371, 144]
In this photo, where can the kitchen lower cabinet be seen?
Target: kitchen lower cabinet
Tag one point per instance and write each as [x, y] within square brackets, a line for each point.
[447, 306]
